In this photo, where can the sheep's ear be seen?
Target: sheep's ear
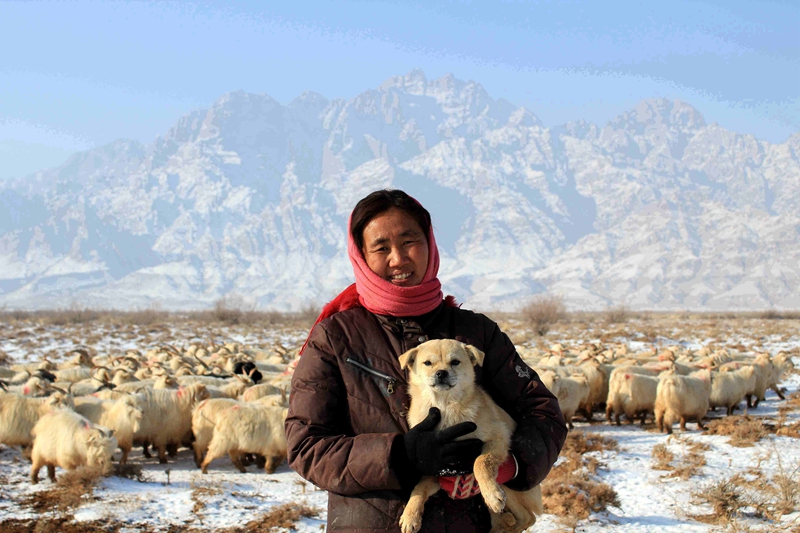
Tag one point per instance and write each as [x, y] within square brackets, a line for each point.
[407, 359]
[475, 355]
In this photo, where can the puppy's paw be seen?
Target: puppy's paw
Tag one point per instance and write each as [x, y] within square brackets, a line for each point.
[495, 498]
[410, 522]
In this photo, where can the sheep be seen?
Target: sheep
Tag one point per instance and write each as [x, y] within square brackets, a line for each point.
[782, 363]
[571, 393]
[66, 439]
[213, 381]
[632, 394]
[249, 428]
[764, 370]
[633, 369]
[276, 400]
[682, 398]
[73, 374]
[168, 416]
[230, 389]
[123, 416]
[262, 389]
[204, 418]
[730, 388]
[663, 366]
[35, 386]
[598, 377]
[19, 414]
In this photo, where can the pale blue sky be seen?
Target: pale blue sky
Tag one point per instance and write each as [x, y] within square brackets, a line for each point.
[79, 74]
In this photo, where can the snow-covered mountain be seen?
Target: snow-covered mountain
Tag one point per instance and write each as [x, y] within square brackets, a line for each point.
[656, 209]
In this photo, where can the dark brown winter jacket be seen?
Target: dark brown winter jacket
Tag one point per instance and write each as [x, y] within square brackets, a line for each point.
[348, 410]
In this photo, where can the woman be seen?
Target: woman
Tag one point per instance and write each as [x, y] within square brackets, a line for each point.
[346, 429]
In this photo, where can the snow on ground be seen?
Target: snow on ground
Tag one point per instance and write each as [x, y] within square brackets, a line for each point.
[178, 493]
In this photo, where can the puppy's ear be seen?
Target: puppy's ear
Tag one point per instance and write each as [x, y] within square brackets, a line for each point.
[407, 359]
[475, 355]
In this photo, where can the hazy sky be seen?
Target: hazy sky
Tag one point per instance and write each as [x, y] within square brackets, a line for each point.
[74, 75]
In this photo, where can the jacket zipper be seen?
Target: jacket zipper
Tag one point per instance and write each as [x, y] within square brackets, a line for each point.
[391, 381]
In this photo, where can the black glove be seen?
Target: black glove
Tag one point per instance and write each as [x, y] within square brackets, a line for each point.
[436, 453]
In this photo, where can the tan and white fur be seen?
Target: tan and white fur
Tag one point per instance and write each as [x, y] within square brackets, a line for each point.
[442, 375]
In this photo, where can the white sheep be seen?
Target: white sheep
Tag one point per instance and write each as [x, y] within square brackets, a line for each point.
[730, 388]
[598, 377]
[249, 428]
[571, 393]
[632, 394]
[262, 389]
[230, 388]
[782, 363]
[168, 416]
[763, 372]
[73, 374]
[682, 398]
[66, 439]
[34, 386]
[19, 414]
[123, 416]
[204, 418]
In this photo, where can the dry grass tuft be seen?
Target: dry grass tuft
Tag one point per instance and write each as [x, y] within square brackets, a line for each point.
[662, 457]
[202, 491]
[543, 311]
[72, 488]
[569, 491]
[726, 497]
[283, 516]
[686, 465]
[58, 524]
[744, 430]
[580, 442]
[769, 499]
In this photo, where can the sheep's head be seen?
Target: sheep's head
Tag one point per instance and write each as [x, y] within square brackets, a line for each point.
[36, 386]
[197, 392]
[60, 400]
[100, 446]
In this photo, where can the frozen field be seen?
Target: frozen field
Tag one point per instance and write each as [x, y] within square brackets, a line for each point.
[671, 490]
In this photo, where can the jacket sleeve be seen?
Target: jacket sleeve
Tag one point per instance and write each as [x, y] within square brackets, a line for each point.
[322, 447]
[541, 431]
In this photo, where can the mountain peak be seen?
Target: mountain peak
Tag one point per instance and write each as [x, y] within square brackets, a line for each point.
[663, 111]
[414, 82]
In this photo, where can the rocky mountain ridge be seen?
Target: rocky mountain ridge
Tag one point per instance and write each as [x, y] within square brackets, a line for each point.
[656, 209]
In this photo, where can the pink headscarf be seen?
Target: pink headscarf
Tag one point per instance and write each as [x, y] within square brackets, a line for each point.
[382, 297]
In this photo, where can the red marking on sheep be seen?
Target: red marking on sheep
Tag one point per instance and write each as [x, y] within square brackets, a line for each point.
[627, 376]
[26, 390]
[235, 408]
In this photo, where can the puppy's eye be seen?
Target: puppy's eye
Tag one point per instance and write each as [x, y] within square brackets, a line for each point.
[427, 363]
[455, 362]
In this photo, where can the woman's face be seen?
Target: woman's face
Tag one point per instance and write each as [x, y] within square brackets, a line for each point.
[395, 248]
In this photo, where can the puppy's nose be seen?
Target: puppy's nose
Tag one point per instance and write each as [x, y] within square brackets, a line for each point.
[441, 375]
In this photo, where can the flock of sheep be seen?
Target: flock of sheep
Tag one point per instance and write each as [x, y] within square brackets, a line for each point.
[227, 400]
[215, 399]
[675, 385]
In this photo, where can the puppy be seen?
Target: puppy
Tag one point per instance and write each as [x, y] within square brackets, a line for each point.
[442, 374]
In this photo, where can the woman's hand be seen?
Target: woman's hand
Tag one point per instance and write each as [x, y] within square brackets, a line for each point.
[436, 453]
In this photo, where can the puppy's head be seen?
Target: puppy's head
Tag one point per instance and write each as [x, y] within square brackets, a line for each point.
[442, 365]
